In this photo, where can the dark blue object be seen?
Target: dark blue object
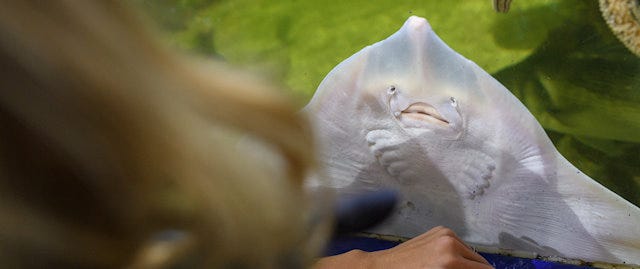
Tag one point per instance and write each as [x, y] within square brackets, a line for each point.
[345, 243]
[360, 212]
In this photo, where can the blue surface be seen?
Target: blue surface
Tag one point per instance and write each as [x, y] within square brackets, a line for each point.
[346, 243]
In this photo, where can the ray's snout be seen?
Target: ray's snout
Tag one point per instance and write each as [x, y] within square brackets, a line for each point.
[417, 24]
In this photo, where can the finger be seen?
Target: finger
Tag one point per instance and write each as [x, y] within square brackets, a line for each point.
[444, 231]
[469, 264]
[440, 231]
[431, 234]
[468, 253]
[474, 256]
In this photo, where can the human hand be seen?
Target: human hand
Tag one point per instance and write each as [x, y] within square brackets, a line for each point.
[438, 248]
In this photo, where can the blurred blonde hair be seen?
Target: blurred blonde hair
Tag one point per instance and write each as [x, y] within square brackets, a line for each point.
[108, 139]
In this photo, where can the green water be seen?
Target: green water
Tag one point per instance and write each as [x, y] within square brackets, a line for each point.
[558, 57]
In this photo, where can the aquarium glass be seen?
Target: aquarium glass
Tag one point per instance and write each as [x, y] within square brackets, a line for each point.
[560, 58]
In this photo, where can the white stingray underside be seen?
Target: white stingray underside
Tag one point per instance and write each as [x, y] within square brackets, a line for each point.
[411, 114]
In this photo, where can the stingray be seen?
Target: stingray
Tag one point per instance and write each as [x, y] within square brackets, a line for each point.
[410, 114]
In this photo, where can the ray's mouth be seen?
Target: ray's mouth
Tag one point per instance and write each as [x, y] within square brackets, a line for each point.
[425, 113]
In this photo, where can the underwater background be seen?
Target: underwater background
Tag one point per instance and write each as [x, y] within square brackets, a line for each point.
[560, 58]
